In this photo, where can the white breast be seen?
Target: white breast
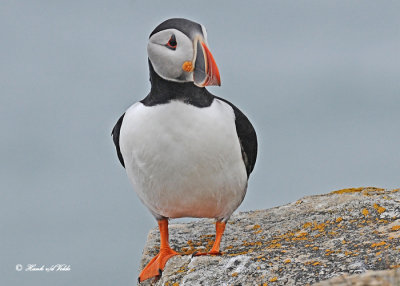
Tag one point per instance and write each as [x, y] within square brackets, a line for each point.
[184, 161]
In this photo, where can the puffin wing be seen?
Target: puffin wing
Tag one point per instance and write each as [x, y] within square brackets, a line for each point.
[115, 134]
[247, 137]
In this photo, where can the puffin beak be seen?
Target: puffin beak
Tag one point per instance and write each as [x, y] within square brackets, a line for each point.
[205, 69]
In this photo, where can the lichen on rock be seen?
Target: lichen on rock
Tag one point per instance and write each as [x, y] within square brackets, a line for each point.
[315, 238]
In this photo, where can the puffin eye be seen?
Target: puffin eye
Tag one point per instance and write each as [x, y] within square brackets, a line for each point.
[172, 43]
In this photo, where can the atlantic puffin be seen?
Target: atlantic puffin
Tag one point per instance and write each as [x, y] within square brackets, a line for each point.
[187, 152]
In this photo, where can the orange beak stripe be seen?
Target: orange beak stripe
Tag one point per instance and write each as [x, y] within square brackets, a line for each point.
[213, 77]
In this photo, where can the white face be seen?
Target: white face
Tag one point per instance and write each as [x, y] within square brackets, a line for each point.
[168, 59]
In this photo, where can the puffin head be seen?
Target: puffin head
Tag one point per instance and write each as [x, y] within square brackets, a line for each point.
[178, 52]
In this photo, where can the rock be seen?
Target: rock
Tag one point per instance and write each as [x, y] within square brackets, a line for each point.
[315, 238]
[369, 278]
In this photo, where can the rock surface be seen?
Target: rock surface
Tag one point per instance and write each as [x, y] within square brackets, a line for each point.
[368, 278]
[313, 239]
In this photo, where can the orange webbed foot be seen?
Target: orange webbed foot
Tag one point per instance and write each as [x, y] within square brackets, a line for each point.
[220, 227]
[156, 265]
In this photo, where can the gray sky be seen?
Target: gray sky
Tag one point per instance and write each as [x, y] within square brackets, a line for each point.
[318, 79]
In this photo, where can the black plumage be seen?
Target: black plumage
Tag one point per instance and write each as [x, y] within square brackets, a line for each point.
[115, 134]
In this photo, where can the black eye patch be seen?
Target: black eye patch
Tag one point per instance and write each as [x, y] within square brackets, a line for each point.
[172, 43]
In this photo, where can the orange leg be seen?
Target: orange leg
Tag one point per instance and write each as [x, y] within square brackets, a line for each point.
[156, 265]
[219, 228]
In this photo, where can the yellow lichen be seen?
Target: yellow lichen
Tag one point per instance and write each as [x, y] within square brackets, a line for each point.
[379, 208]
[316, 263]
[235, 274]
[274, 245]
[369, 191]
[339, 219]
[238, 253]
[395, 227]
[377, 244]
[365, 212]
[328, 252]
[273, 279]
[257, 226]
[301, 233]
[346, 191]
[287, 261]
[365, 190]
[395, 266]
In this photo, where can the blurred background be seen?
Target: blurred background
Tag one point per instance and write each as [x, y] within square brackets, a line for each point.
[318, 79]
